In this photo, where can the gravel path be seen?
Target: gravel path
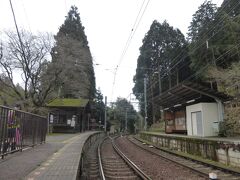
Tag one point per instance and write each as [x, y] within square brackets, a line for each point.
[154, 166]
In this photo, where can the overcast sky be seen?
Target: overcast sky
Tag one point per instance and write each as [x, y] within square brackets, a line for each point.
[108, 24]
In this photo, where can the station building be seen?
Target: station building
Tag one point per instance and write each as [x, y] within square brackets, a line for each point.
[69, 115]
[191, 108]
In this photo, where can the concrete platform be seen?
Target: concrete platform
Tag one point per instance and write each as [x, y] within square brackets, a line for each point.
[225, 150]
[63, 164]
[218, 139]
[60, 153]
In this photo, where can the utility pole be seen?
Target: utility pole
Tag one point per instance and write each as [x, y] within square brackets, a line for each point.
[213, 57]
[126, 121]
[1, 51]
[105, 115]
[145, 103]
[213, 60]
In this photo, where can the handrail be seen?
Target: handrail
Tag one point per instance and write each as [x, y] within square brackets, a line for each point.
[1, 106]
[19, 129]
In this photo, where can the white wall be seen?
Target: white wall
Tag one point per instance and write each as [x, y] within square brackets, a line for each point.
[209, 115]
[189, 110]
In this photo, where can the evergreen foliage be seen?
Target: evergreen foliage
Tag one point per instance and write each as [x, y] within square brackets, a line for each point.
[200, 30]
[98, 107]
[231, 7]
[7, 95]
[214, 36]
[118, 113]
[73, 27]
[162, 54]
[72, 54]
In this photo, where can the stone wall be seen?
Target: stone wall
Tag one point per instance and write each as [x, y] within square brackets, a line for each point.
[220, 151]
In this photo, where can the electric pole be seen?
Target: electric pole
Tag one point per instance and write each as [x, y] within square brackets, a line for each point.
[105, 115]
[145, 103]
[126, 121]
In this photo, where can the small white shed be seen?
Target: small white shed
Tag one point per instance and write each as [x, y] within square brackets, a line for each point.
[202, 119]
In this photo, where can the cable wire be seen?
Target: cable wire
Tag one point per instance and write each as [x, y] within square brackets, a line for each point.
[133, 30]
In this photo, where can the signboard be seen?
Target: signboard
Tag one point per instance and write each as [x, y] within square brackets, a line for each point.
[73, 122]
[51, 118]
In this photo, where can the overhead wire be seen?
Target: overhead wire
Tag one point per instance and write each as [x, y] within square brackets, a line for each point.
[177, 61]
[213, 26]
[198, 73]
[206, 33]
[26, 16]
[198, 46]
[212, 29]
[133, 30]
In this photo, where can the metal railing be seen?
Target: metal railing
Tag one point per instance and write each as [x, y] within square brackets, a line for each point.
[19, 129]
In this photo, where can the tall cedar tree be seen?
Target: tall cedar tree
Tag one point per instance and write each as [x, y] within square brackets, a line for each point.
[220, 29]
[73, 56]
[200, 30]
[163, 47]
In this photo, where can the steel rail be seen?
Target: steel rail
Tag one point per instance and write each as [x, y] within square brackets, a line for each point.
[100, 160]
[186, 158]
[132, 165]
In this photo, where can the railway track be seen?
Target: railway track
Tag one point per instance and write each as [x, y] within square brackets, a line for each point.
[90, 163]
[201, 168]
[115, 165]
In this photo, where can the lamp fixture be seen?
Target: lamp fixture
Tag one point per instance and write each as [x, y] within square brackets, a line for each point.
[177, 105]
[190, 101]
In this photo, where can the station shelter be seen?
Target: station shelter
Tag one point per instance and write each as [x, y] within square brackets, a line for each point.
[191, 108]
[69, 115]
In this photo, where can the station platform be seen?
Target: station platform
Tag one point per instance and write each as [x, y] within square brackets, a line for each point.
[58, 158]
[218, 139]
[225, 150]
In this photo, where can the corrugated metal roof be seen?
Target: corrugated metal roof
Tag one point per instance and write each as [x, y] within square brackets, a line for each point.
[187, 91]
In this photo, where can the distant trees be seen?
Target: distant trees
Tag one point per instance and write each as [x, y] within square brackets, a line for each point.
[72, 54]
[7, 94]
[98, 107]
[121, 112]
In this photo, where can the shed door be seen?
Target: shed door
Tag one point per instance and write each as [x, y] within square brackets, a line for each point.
[197, 125]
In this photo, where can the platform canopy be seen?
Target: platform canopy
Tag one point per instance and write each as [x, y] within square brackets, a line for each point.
[67, 102]
[186, 92]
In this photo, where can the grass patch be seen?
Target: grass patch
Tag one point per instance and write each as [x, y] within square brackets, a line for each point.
[157, 127]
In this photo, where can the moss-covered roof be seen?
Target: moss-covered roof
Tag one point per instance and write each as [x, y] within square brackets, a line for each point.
[65, 102]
